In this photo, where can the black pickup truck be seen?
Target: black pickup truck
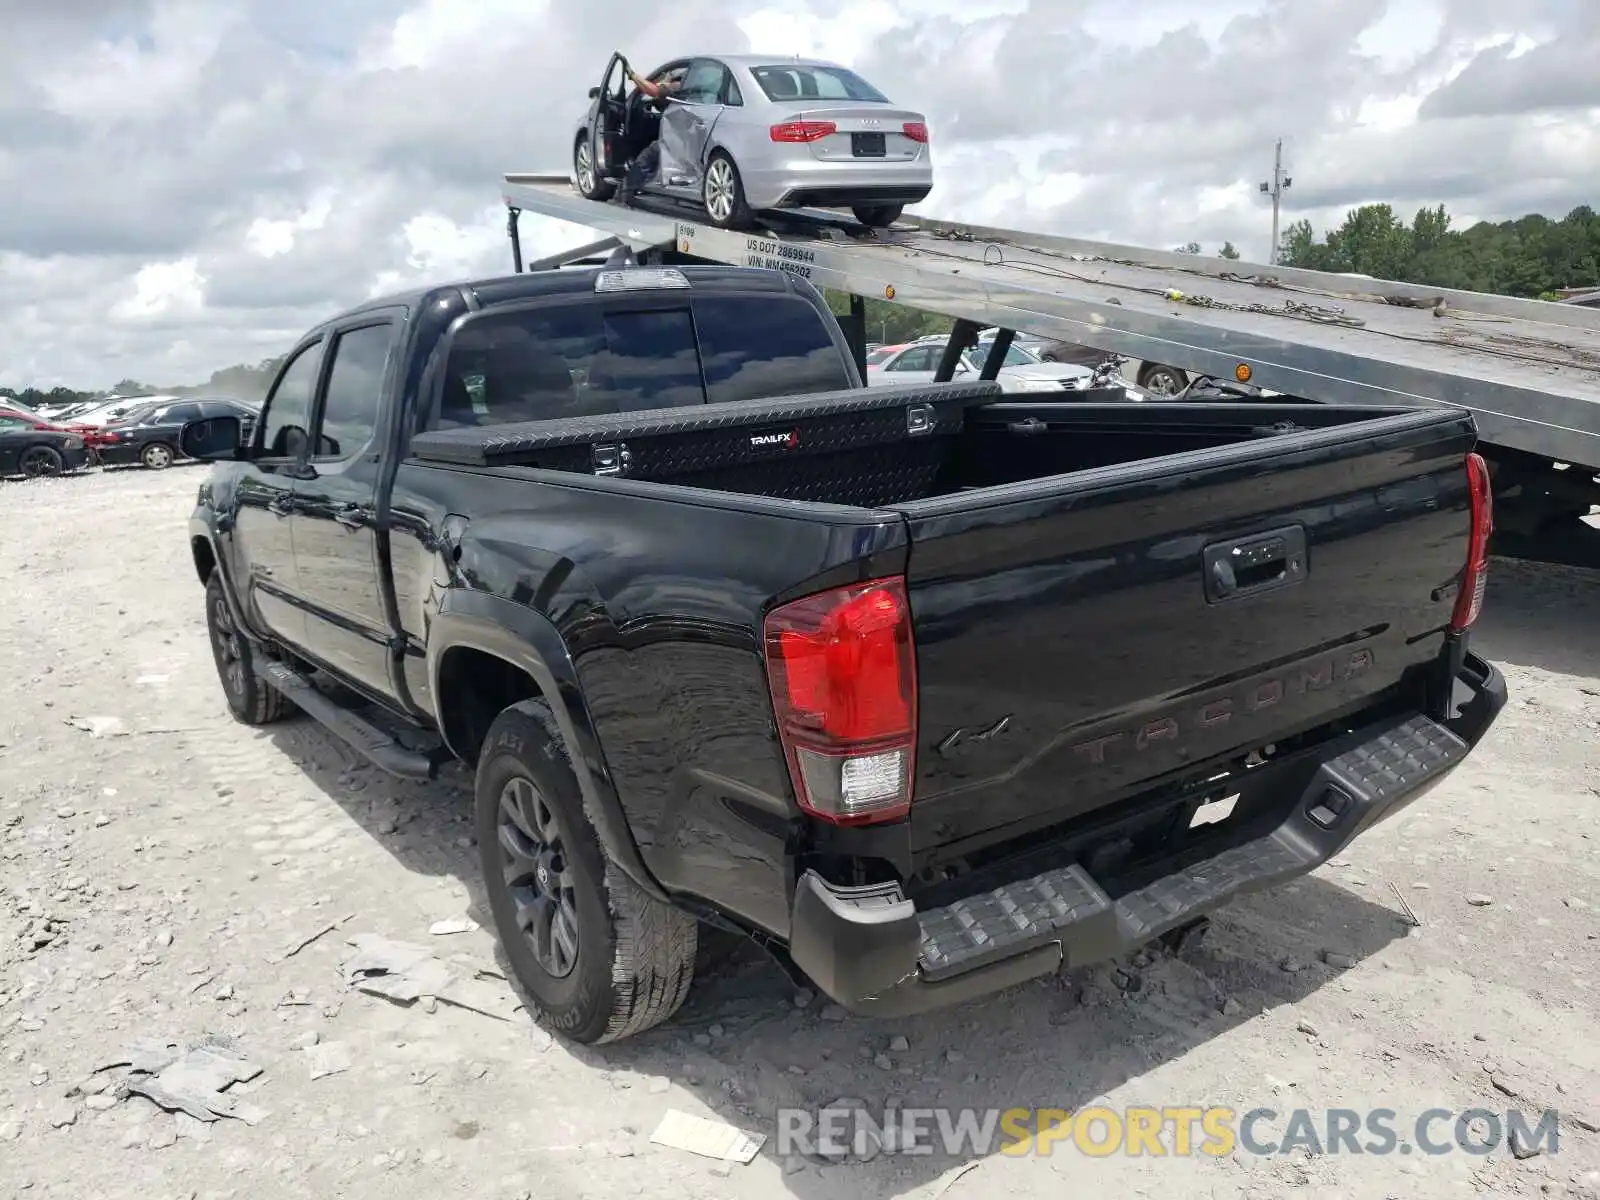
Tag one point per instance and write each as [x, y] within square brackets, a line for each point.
[927, 692]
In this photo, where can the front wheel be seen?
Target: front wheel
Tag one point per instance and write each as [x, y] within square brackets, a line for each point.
[157, 456]
[723, 194]
[878, 216]
[249, 699]
[590, 185]
[598, 957]
[1163, 381]
[42, 462]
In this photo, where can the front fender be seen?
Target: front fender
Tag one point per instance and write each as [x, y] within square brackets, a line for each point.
[527, 640]
[204, 527]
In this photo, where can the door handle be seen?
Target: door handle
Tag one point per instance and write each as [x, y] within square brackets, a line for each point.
[351, 516]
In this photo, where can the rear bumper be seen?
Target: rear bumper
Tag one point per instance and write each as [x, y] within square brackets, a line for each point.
[870, 949]
[836, 183]
[116, 454]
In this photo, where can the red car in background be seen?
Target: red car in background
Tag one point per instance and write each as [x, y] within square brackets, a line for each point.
[33, 447]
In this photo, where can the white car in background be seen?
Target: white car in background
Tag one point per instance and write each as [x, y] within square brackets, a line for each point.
[1022, 371]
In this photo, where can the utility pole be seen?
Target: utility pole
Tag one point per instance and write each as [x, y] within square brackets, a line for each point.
[1276, 188]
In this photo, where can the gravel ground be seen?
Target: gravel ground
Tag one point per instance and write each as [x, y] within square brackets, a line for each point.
[158, 860]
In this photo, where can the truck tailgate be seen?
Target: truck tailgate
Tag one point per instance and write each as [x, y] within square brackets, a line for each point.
[1082, 638]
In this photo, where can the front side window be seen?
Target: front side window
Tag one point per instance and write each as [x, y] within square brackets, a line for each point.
[288, 409]
[703, 84]
[355, 389]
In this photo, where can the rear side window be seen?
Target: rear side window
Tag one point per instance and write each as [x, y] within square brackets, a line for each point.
[771, 348]
[571, 361]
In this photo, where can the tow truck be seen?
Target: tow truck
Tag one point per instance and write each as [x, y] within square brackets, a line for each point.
[1527, 370]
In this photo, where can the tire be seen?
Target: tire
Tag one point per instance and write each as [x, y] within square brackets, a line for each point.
[1163, 381]
[157, 456]
[878, 216]
[613, 961]
[590, 185]
[250, 700]
[722, 194]
[41, 462]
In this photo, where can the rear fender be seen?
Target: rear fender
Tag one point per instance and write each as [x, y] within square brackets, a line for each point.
[529, 641]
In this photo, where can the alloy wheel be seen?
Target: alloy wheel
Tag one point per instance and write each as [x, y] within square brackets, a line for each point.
[538, 875]
[225, 645]
[585, 167]
[719, 190]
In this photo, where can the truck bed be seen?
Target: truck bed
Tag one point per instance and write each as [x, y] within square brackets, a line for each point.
[883, 446]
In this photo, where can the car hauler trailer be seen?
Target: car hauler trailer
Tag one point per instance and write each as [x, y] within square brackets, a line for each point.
[1528, 370]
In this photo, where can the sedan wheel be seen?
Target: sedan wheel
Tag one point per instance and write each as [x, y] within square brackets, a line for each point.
[723, 194]
[590, 185]
[41, 462]
[1164, 381]
[157, 456]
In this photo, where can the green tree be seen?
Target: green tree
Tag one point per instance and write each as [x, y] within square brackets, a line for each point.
[1532, 256]
[1228, 251]
[1188, 248]
[891, 324]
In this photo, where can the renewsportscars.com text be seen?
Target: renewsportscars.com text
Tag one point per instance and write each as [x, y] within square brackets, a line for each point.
[1159, 1132]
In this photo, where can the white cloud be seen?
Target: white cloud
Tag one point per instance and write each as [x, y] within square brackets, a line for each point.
[164, 289]
[189, 183]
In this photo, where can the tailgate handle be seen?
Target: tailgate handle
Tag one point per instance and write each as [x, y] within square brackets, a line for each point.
[1263, 562]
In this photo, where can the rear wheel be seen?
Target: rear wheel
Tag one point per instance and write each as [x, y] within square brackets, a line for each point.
[157, 456]
[878, 216]
[598, 957]
[41, 462]
[723, 194]
[590, 184]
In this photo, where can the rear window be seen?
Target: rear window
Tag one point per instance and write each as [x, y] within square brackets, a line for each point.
[793, 82]
[581, 360]
[774, 348]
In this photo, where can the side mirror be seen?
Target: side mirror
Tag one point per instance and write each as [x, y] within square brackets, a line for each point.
[213, 438]
[594, 93]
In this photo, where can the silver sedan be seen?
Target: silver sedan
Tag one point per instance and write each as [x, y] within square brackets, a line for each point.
[742, 133]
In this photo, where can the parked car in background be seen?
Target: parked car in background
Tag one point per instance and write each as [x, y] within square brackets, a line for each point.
[1021, 371]
[1155, 378]
[744, 133]
[34, 448]
[149, 435]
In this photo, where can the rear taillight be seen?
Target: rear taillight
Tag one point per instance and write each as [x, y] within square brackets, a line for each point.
[1475, 576]
[803, 131]
[916, 131]
[842, 665]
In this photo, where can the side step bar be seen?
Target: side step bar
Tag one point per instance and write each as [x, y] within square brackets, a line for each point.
[378, 747]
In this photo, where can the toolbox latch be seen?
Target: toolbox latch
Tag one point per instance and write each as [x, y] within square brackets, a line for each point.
[919, 419]
[611, 459]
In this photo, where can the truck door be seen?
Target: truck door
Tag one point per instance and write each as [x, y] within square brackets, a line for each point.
[335, 512]
[263, 547]
[687, 123]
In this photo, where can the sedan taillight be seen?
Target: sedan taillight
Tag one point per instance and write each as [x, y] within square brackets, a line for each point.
[803, 131]
[917, 131]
